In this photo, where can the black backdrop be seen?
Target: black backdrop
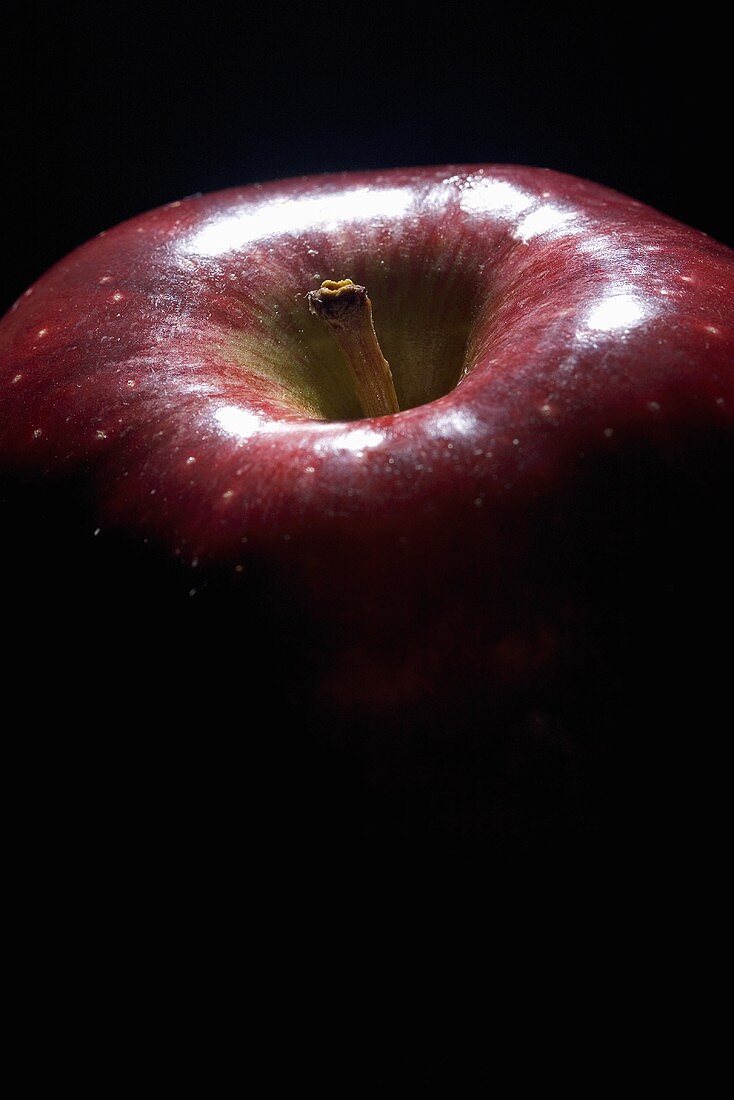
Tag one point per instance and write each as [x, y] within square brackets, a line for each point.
[108, 110]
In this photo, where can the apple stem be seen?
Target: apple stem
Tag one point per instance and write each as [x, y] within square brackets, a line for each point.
[347, 310]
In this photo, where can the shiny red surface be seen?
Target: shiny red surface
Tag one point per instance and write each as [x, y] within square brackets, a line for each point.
[414, 546]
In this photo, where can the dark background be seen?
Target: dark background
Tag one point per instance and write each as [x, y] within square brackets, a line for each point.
[109, 110]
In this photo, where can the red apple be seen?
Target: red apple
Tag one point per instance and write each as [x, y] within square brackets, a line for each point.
[463, 596]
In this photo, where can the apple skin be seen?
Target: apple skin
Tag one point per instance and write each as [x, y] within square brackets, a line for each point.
[460, 601]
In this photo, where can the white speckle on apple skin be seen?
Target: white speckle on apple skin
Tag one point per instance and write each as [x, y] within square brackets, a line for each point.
[653, 406]
[17, 378]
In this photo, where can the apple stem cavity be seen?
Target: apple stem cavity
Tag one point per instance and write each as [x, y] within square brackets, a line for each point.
[345, 307]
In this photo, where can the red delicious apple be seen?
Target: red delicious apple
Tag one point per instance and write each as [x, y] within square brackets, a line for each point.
[533, 538]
